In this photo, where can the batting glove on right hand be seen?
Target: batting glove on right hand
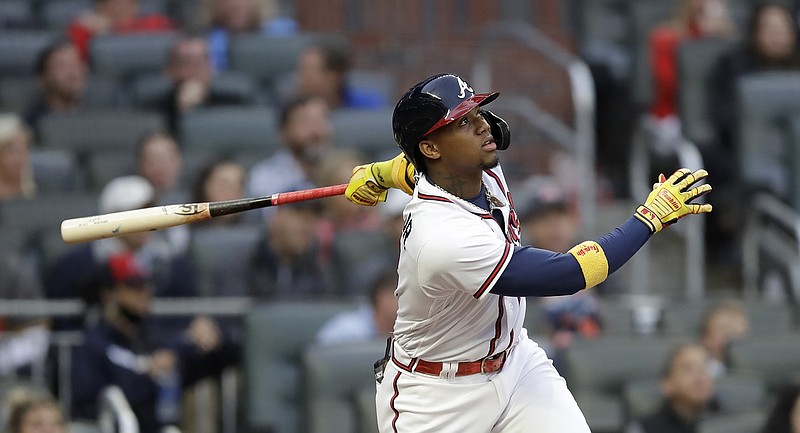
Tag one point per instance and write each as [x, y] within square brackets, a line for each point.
[670, 199]
[369, 183]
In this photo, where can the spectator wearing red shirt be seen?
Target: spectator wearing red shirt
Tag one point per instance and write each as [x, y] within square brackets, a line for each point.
[693, 19]
[113, 17]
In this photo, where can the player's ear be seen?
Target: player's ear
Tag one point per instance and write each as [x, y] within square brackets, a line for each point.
[429, 149]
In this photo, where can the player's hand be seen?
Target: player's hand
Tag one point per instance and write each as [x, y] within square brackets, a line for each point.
[370, 183]
[671, 199]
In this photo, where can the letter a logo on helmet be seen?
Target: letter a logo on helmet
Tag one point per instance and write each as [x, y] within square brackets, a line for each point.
[434, 103]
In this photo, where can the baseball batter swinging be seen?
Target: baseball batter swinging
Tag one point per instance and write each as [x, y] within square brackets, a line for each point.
[460, 360]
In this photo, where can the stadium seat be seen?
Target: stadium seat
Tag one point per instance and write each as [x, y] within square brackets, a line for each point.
[764, 318]
[57, 14]
[149, 91]
[367, 413]
[772, 358]
[367, 131]
[642, 396]
[793, 137]
[16, 14]
[20, 94]
[230, 130]
[645, 15]
[19, 50]
[222, 255]
[603, 32]
[103, 165]
[123, 57]
[55, 170]
[97, 130]
[738, 393]
[334, 376]
[45, 213]
[356, 258]
[266, 59]
[276, 334]
[749, 422]
[696, 59]
[765, 101]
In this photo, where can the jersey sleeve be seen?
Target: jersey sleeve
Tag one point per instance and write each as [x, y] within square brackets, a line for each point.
[458, 260]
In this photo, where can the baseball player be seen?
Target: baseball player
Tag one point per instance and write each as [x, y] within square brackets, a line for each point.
[459, 359]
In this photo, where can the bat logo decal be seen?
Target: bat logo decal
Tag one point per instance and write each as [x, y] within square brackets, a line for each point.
[190, 209]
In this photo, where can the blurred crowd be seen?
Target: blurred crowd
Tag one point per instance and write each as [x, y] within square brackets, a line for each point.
[322, 249]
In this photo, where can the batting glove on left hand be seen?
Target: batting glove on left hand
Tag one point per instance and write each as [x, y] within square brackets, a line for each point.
[670, 199]
[369, 183]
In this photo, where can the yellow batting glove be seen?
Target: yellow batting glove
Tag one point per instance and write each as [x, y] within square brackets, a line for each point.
[670, 199]
[370, 183]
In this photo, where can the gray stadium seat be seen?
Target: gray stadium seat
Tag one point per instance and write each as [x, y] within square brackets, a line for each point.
[749, 422]
[696, 59]
[334, 376]
[764, 318]
[151, 90]
[765, 101]
[103, 165]
[356, 260]
[265, 58]
[230, 130]
[98, 130]
[20, 94]
[16, 14]
[367, 413]
[367, 131]
[645, 15]
[57, 14]
[738, 393]
[276, 334]
[55, 170]
[222, 255]
[45, 213]
[122, 57]
[603, 33]
[20, 48]
[642, 396]
[793, 138]
[773, 358]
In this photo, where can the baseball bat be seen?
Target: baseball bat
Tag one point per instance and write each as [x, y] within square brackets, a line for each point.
[108, 225]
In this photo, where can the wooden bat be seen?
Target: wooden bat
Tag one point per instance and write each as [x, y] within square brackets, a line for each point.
[160, 217]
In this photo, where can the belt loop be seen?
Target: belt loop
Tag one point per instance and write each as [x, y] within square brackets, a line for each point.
[449, 370]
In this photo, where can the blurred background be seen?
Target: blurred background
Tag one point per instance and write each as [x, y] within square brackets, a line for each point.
[269, 321]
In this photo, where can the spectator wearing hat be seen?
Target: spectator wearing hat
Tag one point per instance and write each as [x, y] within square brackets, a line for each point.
[75, 273]
[127, 349]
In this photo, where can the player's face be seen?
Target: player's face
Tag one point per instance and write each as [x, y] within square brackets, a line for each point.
[466, 144]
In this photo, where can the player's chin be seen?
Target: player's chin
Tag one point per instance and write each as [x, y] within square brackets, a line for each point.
[491, 161]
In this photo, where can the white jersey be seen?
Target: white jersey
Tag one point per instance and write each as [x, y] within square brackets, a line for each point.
[451, 255]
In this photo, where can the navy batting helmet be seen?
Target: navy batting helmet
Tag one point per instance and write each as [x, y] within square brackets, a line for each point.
[434, 103]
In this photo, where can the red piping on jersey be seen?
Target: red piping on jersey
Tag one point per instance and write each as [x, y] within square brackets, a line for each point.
[495, 272]
[433, 197]
[391, 402]
[498, 326]
[496, 178]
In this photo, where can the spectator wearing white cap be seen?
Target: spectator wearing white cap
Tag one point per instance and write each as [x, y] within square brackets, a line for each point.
[74, 274]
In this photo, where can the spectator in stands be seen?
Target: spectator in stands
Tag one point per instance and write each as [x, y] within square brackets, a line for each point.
[32, 411]
[547, 221]
[24, 340]
[159, 160]
[770, 45]
[722, 325]
[374, 320]
[225, 18]
[125, 348]
[692, 19]
[62, 79]
[16, 173]
[75, 273]
[688, 392]
[785, 415]
[322, 71]
[220, 180]
[113, 17]
[287, 262]
[305, 134]
[189, 69]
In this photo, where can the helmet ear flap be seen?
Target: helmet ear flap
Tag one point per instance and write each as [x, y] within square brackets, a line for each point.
[499, 128]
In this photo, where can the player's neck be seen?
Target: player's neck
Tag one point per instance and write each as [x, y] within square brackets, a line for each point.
[460, 186]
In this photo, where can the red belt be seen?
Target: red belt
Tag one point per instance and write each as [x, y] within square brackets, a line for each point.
[486, 365]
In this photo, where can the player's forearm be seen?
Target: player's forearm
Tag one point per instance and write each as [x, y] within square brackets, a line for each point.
[536, 272]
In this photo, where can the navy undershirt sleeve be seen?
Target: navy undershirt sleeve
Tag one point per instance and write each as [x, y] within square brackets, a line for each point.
[537, 272]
